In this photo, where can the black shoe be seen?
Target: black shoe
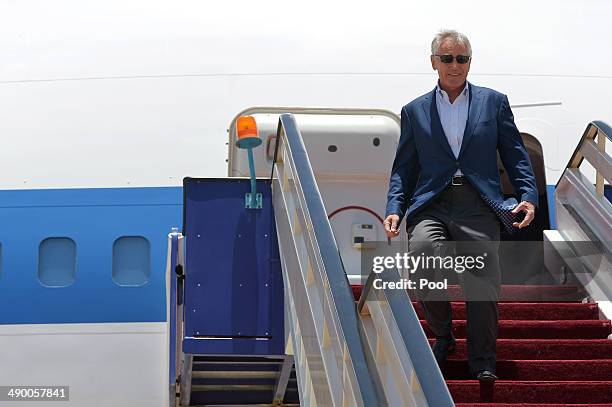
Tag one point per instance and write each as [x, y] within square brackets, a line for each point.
[486, 376]
[442, 347]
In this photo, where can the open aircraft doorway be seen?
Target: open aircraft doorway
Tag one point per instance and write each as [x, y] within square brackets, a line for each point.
[523, 262]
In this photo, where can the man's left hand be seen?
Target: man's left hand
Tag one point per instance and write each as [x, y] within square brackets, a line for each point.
[529, 210]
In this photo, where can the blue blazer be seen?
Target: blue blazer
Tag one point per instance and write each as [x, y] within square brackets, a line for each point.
[425, 164]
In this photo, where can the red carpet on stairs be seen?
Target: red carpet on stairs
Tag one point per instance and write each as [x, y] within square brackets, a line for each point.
[549, 354]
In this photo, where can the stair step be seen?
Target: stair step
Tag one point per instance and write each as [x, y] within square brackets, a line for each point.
[586, 329]
[238, 380]
[544, 349]
[506, 391]
[558, 370]
[238, 395]
[531, 310]
[259, 405]
[522, 293]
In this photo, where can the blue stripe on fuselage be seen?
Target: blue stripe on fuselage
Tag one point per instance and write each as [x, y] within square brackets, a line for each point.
[93, 219]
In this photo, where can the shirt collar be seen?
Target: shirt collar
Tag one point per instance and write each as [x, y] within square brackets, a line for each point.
[442, 93]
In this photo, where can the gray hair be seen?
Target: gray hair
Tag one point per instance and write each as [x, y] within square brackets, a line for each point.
[455, 36]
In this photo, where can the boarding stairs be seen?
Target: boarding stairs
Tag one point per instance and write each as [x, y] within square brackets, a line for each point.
[553, 353]
[338, 343]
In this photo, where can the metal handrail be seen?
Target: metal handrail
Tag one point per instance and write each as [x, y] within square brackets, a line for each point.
[595, 129]
[338, 295]
[584, 214]
[174, 310]
[412, 338]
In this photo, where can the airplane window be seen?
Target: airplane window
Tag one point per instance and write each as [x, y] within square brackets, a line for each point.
[131, 261]
[57, 262]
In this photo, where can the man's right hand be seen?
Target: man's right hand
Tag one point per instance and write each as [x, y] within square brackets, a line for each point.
[392, 226]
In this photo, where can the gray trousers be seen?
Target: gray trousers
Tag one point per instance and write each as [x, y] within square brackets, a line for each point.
[459, 220]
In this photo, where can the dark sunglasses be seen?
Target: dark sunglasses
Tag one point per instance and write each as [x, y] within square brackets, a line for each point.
[448, 59]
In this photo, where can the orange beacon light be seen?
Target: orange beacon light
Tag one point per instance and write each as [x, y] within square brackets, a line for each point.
[246, 129]
[248, 138]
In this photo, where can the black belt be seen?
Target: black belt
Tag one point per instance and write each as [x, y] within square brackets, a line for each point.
[459, 180]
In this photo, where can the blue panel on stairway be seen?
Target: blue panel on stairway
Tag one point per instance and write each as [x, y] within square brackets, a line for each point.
[233, 281]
